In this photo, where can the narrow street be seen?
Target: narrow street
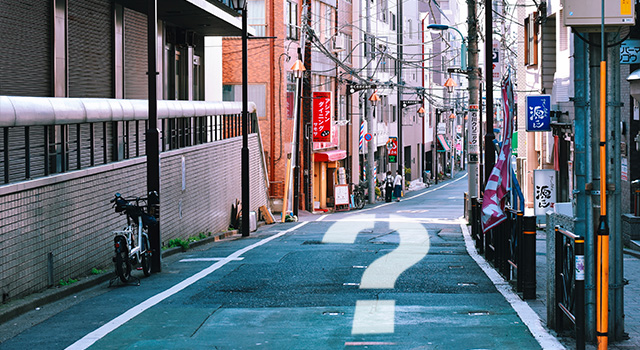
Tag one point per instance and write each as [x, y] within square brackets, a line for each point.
[390, 276]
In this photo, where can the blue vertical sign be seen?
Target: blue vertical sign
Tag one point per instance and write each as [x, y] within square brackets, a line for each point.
[539, 113]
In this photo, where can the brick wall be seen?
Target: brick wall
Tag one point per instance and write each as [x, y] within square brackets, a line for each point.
[69, 217]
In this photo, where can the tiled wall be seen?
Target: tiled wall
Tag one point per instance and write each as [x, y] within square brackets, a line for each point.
[67, 218]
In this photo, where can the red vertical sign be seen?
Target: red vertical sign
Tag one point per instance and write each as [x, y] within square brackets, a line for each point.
[322, 116]
[290, 104]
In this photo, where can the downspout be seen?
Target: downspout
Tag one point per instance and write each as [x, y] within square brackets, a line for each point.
[424, 116]
[272, 89]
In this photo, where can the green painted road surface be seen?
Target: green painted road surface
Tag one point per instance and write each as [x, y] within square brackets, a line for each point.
[391, 276]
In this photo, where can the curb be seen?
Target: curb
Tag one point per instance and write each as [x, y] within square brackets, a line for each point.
[632, 252]
[15, 308]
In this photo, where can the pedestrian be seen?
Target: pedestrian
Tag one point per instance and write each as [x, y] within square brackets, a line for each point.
[397, 183]
[388, 187]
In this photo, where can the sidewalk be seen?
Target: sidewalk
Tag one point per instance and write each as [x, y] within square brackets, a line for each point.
[631, 298]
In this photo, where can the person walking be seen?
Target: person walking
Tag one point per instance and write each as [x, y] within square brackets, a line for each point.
[388, 187]
[397, 183]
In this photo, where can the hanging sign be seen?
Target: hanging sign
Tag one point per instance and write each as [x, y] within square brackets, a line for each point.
[538, 113]
[322, 108]
[544, 191]
[497, 67]
[392, 149]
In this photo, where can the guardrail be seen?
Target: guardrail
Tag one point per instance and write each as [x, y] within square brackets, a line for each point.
[569, 283]
[510, 247]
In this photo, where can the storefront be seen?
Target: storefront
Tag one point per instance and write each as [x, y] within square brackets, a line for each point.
[327, 174]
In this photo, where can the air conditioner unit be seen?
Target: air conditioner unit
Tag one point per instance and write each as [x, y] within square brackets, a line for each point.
[338, 43]
[587, 14]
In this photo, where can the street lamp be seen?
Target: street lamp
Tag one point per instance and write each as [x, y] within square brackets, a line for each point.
[241, 5]
[374, 99]
[450, 84]
[463, 45]
[298, 72]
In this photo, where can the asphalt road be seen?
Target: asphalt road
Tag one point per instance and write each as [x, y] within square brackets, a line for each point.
[390, 276]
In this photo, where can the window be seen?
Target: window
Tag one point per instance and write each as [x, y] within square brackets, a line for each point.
[293, 31]
[257, 94]
[531, 39]
[393, 21]
[383, 13]
[256, 16]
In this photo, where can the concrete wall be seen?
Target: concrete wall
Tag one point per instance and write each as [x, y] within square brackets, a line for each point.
[67, 218]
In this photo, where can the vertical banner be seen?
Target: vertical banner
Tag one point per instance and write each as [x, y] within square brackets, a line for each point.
[538, 113]
[498, 184]
[544, 190]
[322, 108]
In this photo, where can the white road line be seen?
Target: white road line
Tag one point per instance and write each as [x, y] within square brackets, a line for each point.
[101, 332]
[321, 217]
[524, 311]
[374, 317]
[206, 259]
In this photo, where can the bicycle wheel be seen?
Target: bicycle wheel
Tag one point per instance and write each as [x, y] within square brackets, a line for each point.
[359, 200]
[146, 256]
[123, 265]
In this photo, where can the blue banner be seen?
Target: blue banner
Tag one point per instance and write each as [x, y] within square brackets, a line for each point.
[539, 113]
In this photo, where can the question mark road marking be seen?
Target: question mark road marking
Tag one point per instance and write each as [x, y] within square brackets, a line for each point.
[377, 316]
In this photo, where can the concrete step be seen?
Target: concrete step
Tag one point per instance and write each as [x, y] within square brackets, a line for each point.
[634, 245]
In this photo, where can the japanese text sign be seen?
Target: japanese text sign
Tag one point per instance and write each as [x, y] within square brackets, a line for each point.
[544, 191]
[630, 51]
[474, 130]
[322, 116]
[539, 113]
[392, 148]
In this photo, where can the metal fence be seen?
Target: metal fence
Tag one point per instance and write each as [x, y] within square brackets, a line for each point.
[569, 275]
[43, 136]
[510, 247]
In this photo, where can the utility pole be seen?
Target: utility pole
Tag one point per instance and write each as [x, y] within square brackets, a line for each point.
[399, 94]
[474, 100]
[489, 148]
[371, 145]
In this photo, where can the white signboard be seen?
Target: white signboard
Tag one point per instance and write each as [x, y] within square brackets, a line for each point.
[497, 66]
[474, 130]
[544, 190]
[624, 169]
[341, 194]
[442, 129]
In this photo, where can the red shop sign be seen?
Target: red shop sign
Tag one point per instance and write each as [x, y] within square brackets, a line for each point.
[322, 107]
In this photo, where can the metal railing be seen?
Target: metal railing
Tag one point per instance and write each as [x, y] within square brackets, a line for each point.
[510, 247]
[569, 283]
[45, 136]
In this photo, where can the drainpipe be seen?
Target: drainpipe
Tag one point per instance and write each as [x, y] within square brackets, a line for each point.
[582, 169]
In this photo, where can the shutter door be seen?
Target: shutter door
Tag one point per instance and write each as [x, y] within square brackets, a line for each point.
[25, 57]
[135, 55]
[91, 47]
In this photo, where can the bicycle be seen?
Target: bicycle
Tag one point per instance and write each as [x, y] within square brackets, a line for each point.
[132, 243]
[358, 196]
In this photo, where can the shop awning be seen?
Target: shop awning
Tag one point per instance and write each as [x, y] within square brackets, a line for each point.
[330, 156]
[444, 143]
